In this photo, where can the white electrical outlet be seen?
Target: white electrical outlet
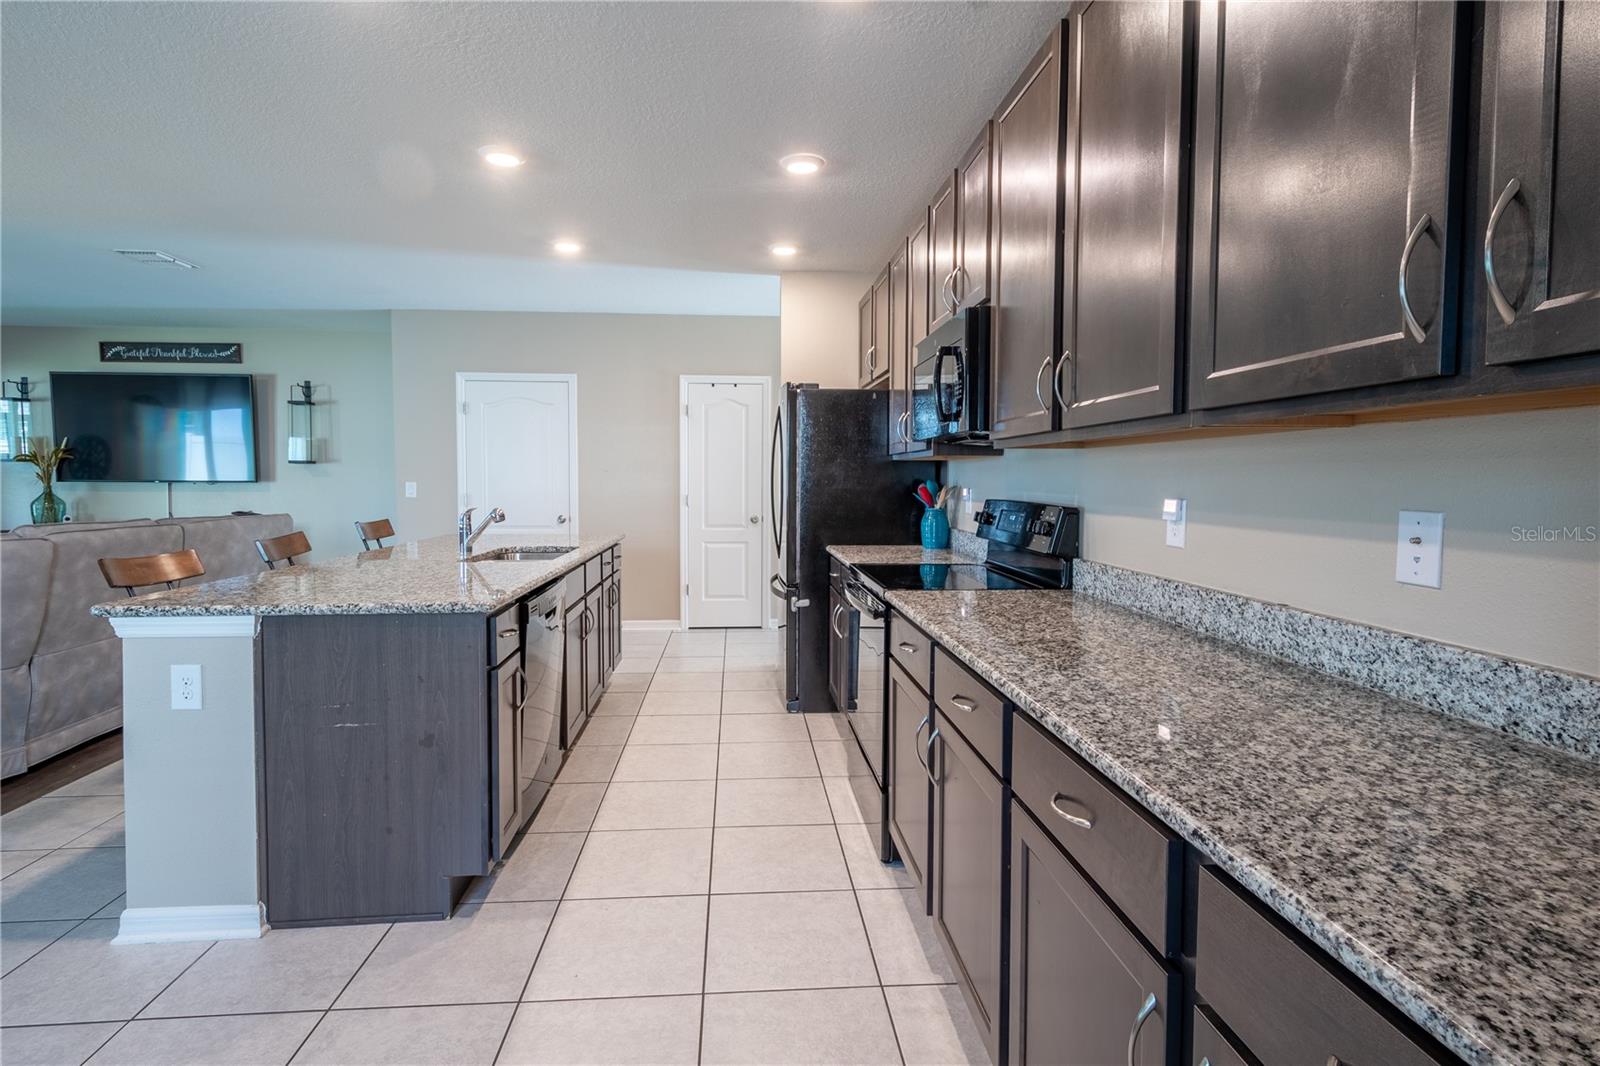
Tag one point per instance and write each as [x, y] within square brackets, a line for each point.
[1175, 512]
[186, 687]
[1419, 552]
[411, 490]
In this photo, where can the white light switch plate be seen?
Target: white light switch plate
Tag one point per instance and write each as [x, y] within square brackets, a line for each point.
[1176, 513]
[185, 687]
[1419, 552]
[411, 490]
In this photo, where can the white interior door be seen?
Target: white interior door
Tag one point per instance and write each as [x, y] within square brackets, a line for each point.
[724, 528]
[517, 443]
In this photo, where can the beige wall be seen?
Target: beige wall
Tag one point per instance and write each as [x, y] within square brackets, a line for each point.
[818, 312]
[350, 369]
[628, 368]
[1309, 519]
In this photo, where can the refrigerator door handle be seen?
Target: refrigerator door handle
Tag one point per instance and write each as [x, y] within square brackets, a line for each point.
[773, 477]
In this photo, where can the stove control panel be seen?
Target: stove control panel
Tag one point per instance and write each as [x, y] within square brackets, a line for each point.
[1042, 528]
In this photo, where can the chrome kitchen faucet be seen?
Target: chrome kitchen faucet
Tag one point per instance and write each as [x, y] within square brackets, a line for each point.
[466, 535]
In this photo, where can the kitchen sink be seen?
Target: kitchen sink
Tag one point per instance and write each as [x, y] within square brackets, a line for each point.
[525, 555]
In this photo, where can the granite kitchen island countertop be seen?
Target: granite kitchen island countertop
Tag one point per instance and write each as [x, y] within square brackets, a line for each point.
[1453, 869]
[419, 577]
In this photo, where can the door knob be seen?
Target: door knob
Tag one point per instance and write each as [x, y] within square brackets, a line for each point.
[561, 519]
[755, 520]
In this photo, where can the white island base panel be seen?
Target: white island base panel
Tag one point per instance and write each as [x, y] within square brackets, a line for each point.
[190, 781]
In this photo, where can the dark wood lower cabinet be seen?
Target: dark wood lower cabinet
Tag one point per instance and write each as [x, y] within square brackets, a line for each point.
[574, 697]
[1211, 1045]
[968, 872]
[593, 662]
[1083, 989]
[910, 798]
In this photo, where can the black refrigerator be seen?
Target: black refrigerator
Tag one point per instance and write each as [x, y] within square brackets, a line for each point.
[832, 483]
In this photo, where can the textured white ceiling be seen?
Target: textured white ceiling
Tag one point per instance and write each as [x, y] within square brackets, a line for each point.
[322, 156]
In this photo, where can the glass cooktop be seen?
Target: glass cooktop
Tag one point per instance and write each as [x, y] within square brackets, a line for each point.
[912, 577]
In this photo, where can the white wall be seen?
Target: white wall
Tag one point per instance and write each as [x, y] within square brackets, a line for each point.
[1309, 519]
[350, 369]
[628, 413]
[819, 324]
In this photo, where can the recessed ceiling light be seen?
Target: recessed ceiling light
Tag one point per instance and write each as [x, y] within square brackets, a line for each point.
[566, 246]
[802, 164]
[498, 155]
[784, 250]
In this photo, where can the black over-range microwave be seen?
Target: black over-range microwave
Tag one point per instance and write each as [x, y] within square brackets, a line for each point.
[950, 385]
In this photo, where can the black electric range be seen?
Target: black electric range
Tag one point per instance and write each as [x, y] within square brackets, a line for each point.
[1031, 546]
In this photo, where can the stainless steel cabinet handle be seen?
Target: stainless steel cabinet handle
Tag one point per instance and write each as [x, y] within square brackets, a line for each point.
[1508, 313]
[907, 648]
[960, 285]
[834, 624]
[509, 632]
[1055, 380]
[561, 519]
[1082, 821]
[613, 594]
[1038, 384]
[522, 676]
[947, 291]
[918, 746]
[872, 357]
[1145, 1010]
[965, 704]
[933, 737]
[1413, 327]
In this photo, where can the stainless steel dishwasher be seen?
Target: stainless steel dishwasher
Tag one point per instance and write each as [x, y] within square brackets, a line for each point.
[539, 720]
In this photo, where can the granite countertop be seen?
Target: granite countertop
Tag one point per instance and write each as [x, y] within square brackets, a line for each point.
[1453, 869]
[420, 577]
[871, 554]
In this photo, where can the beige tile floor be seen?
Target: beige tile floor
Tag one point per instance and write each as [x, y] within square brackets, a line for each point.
[699, 887]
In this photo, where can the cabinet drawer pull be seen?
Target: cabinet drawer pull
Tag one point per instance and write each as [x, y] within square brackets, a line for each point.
[1413, 327]
[1507, 313]
[509, 632]
[1145, 1010]
[963, 703]
[1038, 380]
[1082, 821]
[909, 649]
[933, 778]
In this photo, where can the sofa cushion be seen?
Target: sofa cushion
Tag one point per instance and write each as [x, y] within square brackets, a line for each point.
[73, 685]
[31, 531]
[76, 583]
[24, 589]
[228, 545]
[14, 698]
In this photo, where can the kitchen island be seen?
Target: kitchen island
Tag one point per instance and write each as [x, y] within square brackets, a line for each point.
[371, 731]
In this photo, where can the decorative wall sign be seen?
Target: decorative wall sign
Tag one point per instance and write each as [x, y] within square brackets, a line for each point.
[169, 352]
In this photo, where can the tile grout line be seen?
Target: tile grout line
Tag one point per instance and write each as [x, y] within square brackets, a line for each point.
[711, 869]
[151, 1000]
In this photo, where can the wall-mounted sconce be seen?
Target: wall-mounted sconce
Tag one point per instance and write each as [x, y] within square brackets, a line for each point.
[302, 423]
[16, 418]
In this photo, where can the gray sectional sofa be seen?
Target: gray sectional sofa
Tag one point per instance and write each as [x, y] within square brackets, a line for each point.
[61, 667]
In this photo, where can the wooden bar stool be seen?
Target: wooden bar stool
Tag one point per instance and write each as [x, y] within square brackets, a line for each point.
[274, 550]
[137, 571]
[372, 533]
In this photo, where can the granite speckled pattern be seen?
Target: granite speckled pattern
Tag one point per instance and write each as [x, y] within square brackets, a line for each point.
[894, 554]
[420, 577]
[1453, 869]
[1551, 707]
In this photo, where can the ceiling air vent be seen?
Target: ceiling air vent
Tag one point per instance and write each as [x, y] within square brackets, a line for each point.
[151, 257]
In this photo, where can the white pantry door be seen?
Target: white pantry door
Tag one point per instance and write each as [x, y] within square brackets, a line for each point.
[724, 524]
[516, 440]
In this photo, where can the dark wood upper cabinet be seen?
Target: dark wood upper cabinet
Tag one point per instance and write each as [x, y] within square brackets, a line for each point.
[1026, 250]
[879, 352]
[918, 258]
[1124, 220]
[1540, 270]
[942, 238]
[899, 343]
[1323, 198]
[974, 217]
[864, 335]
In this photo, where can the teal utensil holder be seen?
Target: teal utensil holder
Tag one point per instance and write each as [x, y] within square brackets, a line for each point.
[935, 528]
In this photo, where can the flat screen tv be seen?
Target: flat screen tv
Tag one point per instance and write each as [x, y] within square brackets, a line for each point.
[155, 427]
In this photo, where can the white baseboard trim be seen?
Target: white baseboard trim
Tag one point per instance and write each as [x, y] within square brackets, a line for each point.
[653, 625]
[169, 925]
